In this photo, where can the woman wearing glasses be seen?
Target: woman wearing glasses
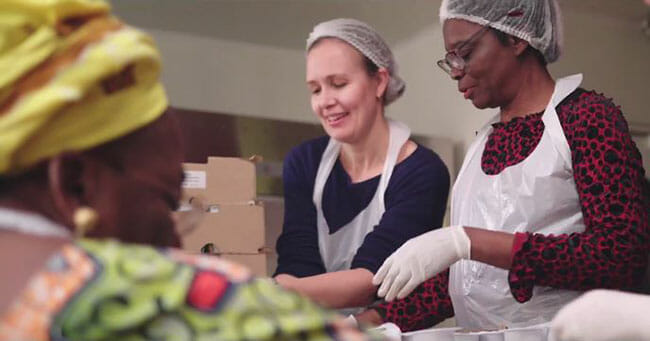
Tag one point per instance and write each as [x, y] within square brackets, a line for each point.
[354, 196]
[548, 202]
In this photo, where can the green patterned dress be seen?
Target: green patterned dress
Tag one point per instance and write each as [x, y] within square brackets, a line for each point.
[105, 290]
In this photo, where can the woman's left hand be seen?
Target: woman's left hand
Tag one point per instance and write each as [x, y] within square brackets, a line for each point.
[419, 259]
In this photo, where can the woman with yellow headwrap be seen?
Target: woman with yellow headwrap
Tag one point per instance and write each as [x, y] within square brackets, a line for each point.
[87, 149]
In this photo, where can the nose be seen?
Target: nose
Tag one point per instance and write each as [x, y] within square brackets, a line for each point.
[326, 99]
[456, 74]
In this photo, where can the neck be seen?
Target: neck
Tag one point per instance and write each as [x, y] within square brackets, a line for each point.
[30, 197]
[533, 92]
[365, 158]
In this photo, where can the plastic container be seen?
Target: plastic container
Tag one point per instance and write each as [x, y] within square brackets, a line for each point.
[496, 335]
[466, 336]
[389, 331]
[491, 336]
[432, 334]
[532, 333]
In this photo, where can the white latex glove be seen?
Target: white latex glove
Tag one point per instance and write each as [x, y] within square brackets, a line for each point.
[419, 259]
[603, 315]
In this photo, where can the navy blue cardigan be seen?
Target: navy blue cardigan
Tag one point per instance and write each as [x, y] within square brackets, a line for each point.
[415, 201]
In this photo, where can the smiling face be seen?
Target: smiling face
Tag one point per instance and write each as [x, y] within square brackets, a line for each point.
[344, 96]
[487, 79]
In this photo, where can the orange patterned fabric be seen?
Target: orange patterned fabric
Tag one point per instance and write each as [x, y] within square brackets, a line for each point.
[30, 316]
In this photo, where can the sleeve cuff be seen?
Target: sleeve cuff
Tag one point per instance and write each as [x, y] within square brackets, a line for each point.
[520, 239]
[521, 276]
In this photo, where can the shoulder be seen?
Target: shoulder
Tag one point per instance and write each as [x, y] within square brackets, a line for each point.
[587, 107]
[422, 167]
[308, 152]
[422, 161]
[139, 259]
[204, 287]
[302, 160]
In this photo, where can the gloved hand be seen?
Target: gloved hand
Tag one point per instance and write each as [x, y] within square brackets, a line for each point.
[603, 315]
[419, 259]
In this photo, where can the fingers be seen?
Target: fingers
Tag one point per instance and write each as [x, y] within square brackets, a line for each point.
[408, 288]
[383, 270]
[385, 285]
[401, 279]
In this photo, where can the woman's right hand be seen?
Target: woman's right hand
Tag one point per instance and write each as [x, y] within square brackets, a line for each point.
[286, 281]
[369, 317]
[419, 259]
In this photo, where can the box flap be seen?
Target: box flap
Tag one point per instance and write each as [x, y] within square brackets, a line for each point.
[220, 180]
[230, 180]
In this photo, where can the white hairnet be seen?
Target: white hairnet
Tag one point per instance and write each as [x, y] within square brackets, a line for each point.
[540, 23]
[365, 39]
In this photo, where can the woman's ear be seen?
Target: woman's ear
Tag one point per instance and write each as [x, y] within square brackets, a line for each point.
[383, 77]
[519, 45]
[66, 186]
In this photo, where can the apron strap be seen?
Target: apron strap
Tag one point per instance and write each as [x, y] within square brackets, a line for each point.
[563, 88]
[325, 166]
[399, 134]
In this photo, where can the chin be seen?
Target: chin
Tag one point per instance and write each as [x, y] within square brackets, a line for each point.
[482, 104]
[479, 105]
[340, 135]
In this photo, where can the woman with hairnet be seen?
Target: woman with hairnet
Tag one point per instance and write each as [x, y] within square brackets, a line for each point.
[88, 150]
[354, 196]
[548, 202]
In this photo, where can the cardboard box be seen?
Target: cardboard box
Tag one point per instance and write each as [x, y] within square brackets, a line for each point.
[220, 180]
[260, 263]
[273, 219]
[229, 228]
[234, 223]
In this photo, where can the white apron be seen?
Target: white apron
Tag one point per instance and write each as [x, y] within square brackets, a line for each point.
[537, 195]
[338, 249]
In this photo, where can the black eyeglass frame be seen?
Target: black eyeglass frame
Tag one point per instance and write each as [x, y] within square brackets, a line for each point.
[453, 59]
[457, 60]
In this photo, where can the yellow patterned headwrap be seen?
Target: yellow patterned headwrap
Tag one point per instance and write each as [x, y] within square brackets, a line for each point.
[72, 77]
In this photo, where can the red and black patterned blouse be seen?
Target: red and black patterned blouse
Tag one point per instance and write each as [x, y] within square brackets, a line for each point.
[613, 250]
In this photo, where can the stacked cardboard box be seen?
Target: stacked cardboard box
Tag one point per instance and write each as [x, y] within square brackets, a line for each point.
[233, 223]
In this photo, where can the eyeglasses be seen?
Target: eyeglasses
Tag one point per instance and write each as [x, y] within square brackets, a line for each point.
[458, 58]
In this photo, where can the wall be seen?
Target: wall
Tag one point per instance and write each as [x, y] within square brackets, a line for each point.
[235, 75]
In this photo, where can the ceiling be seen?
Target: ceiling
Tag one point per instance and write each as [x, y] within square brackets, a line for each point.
[285, 23]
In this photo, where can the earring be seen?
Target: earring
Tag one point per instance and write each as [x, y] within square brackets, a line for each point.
[85, 219]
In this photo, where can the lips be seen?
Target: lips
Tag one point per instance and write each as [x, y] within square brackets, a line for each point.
[335, 118]
[466, 91]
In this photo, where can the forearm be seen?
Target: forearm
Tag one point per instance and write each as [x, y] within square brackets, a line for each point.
[425, 307]
[490, 247]
[341, 289]
[581, 261]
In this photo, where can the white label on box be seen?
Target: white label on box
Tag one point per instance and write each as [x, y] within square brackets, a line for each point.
[194, 179]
